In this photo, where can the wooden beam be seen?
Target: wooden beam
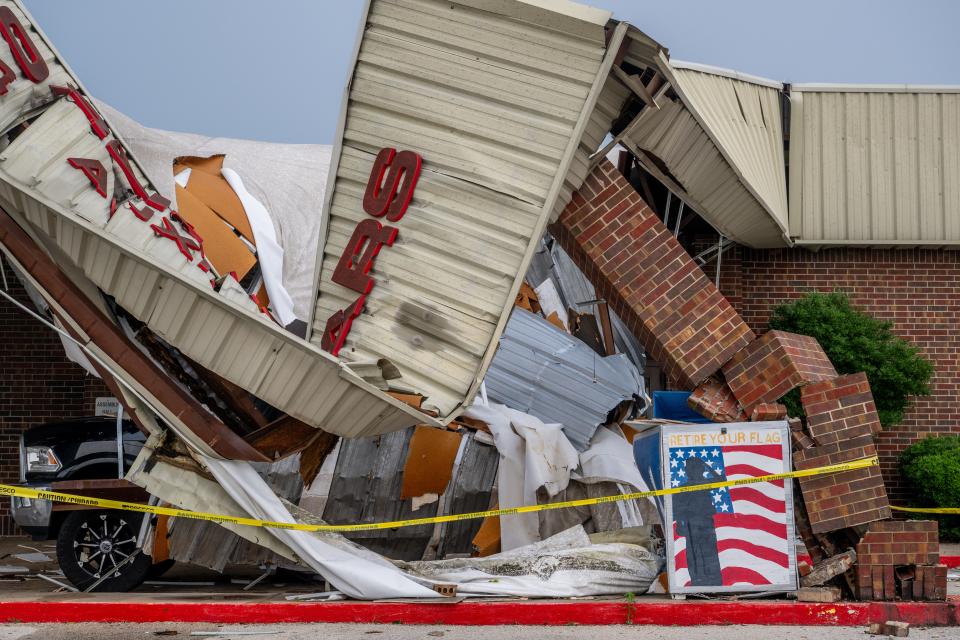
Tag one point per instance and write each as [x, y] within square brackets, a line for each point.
[647, 192]
[108, 337]
[311, 458]
[633, 83]
[283, 437]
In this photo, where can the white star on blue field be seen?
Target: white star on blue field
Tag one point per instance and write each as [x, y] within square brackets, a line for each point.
[713, 458]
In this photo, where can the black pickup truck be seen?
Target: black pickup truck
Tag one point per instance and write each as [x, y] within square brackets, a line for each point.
[82, 455]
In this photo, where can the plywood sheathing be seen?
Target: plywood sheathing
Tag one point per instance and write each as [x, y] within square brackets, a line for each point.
[487, 540]
[225, 250]
[215, 192]
[429, 465]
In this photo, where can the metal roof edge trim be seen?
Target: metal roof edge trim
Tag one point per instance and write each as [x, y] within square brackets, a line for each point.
[635, 33]
[572, 15]
[612, 48]
[876, 244]
[575, 10]
[335, 154]
[665, 67]
[726, 73]
[828, 87]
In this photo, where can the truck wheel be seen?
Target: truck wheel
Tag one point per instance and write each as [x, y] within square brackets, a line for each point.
[92, 543]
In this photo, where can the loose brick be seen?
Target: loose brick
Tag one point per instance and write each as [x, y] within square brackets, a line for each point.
[774, 364]
[637, 265]
[846, 499]
[829, 568]
[818, 594]
[768, 411]
[713, 400]
[892, 628]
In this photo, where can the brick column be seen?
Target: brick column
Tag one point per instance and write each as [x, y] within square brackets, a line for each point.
[649, 279]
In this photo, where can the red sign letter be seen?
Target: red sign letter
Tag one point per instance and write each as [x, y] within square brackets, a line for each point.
[97, 124]
[119, 155]
[184, 243]
[393, 196]
[353, 266]
[338, 326]
[6, 78]
[94, 170]
[22, 47]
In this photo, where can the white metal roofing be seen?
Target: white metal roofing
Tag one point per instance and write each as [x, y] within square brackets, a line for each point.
[496, 106]
[743, 118]
[718, 145]
[153, 281]
[875, 165]
[546, 372]
[289, 179]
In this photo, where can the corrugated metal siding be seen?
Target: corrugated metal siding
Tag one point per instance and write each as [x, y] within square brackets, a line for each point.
[152, 280]
[745, 121]
[210, 545]
[544, 371]
[552, 262]
[366, 488]
[875, 166]
[491, 104]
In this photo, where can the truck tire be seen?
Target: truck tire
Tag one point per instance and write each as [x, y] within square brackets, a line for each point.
[91, 543]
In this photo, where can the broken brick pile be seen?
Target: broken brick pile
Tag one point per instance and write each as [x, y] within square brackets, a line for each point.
[900, 560]
[687, 325]
[841, 421]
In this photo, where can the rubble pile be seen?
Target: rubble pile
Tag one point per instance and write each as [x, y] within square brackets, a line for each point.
[274, 352]
[683, 320]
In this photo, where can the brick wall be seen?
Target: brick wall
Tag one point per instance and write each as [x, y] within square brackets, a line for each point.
[918, 290]
[648, 278]
[37, 384]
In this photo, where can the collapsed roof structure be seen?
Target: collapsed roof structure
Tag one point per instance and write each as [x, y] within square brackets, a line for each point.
[467, 128]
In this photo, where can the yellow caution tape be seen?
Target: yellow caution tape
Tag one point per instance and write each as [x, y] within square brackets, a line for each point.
[38, 494]
[944, 510]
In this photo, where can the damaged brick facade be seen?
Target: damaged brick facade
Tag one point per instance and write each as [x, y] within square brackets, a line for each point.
[900, 560]
[773, 365]
[649, 279]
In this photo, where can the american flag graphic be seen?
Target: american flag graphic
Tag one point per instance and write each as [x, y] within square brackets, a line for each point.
[749, 526]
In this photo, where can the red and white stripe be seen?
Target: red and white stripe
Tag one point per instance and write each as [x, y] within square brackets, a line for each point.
[752, 541]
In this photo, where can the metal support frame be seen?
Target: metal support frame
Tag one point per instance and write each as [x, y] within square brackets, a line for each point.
[120, 471]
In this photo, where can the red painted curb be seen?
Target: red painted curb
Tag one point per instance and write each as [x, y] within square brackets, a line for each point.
[661, 613]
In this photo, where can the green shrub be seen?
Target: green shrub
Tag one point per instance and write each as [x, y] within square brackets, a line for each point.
[855, 341]
[931, 468]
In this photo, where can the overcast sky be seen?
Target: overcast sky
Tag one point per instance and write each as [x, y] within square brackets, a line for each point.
[275, 69]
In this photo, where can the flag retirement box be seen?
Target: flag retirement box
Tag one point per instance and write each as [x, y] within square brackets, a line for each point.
[725, 539]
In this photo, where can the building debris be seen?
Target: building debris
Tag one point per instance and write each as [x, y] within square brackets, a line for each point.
[890, 628]
[415, 308]
[818, 594]
[564, 565]
[542, 370]
[829, 568]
